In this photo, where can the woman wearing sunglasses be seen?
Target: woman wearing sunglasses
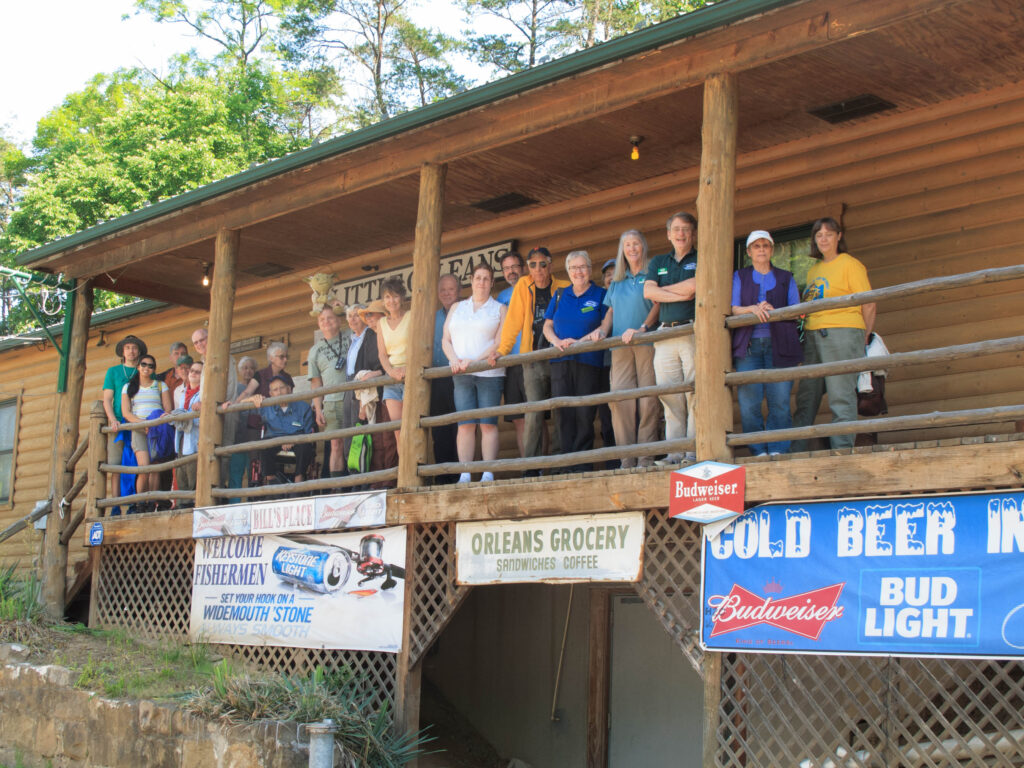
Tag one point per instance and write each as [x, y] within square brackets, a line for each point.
[142, 395]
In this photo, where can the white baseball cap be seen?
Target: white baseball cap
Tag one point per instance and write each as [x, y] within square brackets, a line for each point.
[759, 234]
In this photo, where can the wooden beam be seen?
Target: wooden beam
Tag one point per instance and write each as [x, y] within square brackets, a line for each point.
[599, 663]
[712, 673]
[712, 399]
[770, 37]
[55, 554]
[154, 526]
[975, 464]
[96, 455]
[426, 263]
[408, 675]
[218, 361]
[185, 296]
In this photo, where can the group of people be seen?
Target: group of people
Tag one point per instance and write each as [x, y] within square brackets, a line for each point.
[638, 294]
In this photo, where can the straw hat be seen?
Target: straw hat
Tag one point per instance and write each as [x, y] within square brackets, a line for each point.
[375, 307]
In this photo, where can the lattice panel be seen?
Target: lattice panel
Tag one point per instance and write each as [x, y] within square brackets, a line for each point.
[146, 587]
[833, 711]
[379, 669]
[671, 581]
[435, 596]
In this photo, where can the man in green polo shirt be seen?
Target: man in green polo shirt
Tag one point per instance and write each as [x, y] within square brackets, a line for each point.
[672, 282]
[129, 350]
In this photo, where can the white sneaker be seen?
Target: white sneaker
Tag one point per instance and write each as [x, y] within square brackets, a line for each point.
[465, 478]
[671, 459]
[487, 477]
[628, 463]
[645, 462]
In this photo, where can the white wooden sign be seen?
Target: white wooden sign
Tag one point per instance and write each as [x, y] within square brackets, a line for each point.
[606, 547]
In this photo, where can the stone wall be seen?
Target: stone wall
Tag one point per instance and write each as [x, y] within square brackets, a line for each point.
[46, 721]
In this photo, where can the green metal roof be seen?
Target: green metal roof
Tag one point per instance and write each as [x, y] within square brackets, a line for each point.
[688, 25]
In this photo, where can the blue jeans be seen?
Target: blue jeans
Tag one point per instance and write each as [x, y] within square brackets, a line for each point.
[759, 355]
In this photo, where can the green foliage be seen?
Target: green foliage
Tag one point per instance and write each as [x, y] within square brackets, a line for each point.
[19, 598]
[338, 695]
[534, 36]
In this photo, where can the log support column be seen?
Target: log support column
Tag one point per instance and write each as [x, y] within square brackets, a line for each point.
[215, 369]
[712, 399]
[426, 265]
[408, 676]
[55, 554]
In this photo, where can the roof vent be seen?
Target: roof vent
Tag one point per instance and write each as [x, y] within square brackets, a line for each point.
[266, 269]
[859, 106]
[503, 203]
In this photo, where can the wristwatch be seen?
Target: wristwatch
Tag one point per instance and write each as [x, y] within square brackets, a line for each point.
[643, 327]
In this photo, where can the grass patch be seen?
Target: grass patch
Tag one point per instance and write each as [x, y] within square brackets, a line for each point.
[19, 598]
[338, 695]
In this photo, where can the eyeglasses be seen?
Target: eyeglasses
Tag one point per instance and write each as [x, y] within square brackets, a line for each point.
[538, 264]
[147, 365]
[195, 370]
[579, 268]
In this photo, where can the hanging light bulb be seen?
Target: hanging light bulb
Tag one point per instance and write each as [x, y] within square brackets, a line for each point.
[206, 275]
[635, 141]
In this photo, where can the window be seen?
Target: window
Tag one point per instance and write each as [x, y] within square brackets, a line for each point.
[792, 252]
[8, 427]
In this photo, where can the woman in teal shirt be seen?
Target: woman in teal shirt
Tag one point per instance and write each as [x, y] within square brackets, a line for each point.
[630, 314]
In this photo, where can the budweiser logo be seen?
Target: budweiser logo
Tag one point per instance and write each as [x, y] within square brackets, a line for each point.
[805, 614]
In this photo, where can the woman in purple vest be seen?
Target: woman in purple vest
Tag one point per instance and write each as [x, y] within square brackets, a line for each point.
[756, 290]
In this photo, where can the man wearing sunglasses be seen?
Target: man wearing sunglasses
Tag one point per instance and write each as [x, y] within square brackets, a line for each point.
[525, 321]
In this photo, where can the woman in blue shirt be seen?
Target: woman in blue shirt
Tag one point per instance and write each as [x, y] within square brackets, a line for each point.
[574, 313]
[629, 314]
[757, 290]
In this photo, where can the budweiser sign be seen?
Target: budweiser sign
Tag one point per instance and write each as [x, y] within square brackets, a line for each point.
[707, 492]
[805, 614]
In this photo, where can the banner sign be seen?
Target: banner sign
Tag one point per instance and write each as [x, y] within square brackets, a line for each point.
[335, 590]
[605, 547]
[366, 289]
[319, 513]
[707, 492]
[924, 576]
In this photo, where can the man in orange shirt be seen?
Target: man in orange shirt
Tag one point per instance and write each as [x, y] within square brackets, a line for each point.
[525, 319]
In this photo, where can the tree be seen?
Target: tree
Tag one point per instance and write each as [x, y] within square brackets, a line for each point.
[239, 27]
[422, 72]
[12, 176]
[534, 34]
[392, 64]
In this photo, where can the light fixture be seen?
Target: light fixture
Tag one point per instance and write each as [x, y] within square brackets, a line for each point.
[635, 141]
[206, 274]
[370, 267]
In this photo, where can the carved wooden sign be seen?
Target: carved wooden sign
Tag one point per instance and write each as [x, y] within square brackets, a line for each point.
[366, 289]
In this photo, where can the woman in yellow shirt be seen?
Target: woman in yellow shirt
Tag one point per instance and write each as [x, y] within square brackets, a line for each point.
[393, 344]
[834, 334]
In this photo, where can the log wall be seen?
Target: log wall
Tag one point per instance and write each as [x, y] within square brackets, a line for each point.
[931, 192]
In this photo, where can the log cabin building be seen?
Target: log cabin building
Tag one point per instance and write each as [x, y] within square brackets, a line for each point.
[904, 120]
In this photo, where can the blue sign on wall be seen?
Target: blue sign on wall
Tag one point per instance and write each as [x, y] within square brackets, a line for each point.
[924, 576]
[96, 534]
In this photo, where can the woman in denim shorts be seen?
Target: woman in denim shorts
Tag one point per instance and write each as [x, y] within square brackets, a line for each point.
[471, 334]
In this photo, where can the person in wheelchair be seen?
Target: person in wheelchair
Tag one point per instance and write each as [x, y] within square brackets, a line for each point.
[280, 421]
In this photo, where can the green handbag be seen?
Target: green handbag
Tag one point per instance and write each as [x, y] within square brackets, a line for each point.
[360, 452]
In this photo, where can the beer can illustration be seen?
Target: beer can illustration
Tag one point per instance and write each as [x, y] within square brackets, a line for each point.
[314, 569]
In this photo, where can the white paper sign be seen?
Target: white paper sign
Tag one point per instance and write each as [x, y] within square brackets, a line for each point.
[336, 590]
[606, 547]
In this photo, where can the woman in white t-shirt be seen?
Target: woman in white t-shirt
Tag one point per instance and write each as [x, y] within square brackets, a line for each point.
[142, 395]
[472, 332]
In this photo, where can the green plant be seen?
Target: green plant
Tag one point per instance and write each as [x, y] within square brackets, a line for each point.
[19, 598]
[363, 730]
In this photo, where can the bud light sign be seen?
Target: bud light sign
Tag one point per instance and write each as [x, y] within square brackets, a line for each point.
[926, 576]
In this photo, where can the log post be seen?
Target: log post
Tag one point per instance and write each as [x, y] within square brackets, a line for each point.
[69, 409]
[408, 677]
[715, 209]
[215, 368]
[712, 398]
[598, 676]
[426, 261]
[97, 454]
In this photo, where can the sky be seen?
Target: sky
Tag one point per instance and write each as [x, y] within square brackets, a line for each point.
[60, 44]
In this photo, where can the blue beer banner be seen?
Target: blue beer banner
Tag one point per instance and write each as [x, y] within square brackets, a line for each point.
[909, 576]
